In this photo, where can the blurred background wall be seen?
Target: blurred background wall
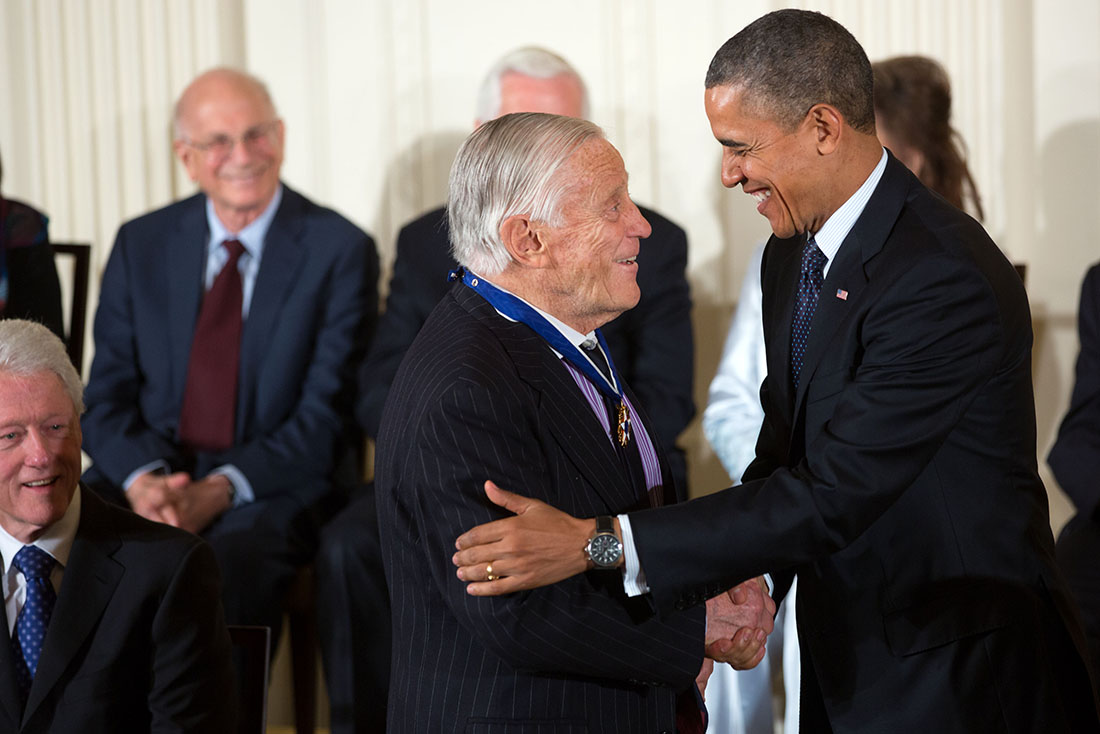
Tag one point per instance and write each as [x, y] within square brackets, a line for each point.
[377, 95]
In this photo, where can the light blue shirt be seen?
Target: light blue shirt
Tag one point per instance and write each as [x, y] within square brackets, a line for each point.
[252, 237]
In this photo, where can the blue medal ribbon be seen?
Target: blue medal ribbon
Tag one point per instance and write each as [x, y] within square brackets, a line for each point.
[514, 308]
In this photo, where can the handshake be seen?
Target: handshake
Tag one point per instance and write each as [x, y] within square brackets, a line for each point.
[738, 624]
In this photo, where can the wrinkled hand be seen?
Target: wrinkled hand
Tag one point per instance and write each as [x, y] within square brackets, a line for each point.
[738, 623]
[155, 496]
[541, 545]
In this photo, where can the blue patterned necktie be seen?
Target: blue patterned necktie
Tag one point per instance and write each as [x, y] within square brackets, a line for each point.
[30, 627]
[809, 288]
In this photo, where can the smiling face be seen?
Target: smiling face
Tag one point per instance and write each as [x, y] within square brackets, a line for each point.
[591, 271]
[775, 165]
[231, 144]
[39, 452]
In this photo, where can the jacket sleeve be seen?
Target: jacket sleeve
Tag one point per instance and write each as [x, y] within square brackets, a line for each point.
[1075, 456]
[927, 348]
[191, 674]
[581, 626]
[116, 433]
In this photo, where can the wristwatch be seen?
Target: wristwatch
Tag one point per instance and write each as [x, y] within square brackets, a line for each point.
[604, 548]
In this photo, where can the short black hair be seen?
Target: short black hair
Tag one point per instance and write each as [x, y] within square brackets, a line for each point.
[790, 60]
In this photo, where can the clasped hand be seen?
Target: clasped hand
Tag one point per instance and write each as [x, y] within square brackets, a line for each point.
[738, 624]
[174, 499]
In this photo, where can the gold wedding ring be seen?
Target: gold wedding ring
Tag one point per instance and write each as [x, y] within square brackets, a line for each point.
[489, 572]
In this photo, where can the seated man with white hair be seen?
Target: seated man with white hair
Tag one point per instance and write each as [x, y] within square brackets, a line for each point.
[114, 620]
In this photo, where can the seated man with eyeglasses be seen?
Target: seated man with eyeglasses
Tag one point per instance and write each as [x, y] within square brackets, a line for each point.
[227, 331]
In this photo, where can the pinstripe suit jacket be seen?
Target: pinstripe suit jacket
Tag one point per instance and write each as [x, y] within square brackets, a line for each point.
[480, 397]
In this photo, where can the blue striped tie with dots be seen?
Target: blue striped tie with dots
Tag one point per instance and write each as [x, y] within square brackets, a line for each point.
[30, 627]
[809, 288]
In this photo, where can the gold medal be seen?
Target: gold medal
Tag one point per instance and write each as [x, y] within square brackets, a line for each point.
[623, 418]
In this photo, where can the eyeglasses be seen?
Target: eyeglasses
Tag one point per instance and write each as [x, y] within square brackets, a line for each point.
[220, 146]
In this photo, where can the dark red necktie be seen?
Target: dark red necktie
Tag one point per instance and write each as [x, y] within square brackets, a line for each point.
[210, 396]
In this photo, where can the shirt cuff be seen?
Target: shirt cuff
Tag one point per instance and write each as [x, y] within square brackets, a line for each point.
[634, 582]
[242, 489]
[160, 465]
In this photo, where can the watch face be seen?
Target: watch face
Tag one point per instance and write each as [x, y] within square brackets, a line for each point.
[604, 550]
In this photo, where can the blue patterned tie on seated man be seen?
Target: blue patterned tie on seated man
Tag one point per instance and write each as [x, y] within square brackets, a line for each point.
[651, 343]
[898, 480]
[114, 620]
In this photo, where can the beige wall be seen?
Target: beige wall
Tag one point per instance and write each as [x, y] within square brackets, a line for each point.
[378, 94]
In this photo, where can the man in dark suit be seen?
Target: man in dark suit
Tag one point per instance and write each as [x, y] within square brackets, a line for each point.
[114, 620]
[895, 472]
[1075, 459]
[651, 343]
[227, 332]
[510, 377]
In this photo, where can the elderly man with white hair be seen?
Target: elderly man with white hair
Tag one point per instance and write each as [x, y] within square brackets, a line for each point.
[651, 343]
[511, 378]
[114, 620]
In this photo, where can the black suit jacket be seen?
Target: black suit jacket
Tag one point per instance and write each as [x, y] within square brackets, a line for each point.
[313, 308]
[1075, 456]
[477, 397]
[900, 483]
[137, 641]
[651, 343]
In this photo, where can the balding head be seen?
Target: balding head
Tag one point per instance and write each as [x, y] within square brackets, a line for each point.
[230, 139]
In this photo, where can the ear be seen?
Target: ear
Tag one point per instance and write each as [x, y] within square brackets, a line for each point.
[188, 156]
[522, 240]
[828, 125]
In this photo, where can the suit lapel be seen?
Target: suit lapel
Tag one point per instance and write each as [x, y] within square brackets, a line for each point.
[848, 272]
[88, 585]
[779, 283]
[184, 257]
[568, 416]
[283, 252]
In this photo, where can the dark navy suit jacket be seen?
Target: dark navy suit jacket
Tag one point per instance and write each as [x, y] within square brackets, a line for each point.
[900, 483]
[311, 315]
[1075, 456]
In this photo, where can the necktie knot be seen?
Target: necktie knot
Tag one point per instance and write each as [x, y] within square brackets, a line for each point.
[813, 259]
[235, 250]
[34, 562]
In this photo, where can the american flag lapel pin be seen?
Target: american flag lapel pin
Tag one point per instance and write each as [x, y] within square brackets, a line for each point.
[842, 294]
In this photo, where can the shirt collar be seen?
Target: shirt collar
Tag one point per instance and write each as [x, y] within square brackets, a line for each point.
[831, 235]
[252, 236]
[57, 540]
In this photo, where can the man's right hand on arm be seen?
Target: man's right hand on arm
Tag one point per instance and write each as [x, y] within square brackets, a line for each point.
[154, 496]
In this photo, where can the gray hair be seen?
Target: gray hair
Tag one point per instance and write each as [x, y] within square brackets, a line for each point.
[28, 348]
[530, 61]
[244, 77]
[790, 60]
[507, 167]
